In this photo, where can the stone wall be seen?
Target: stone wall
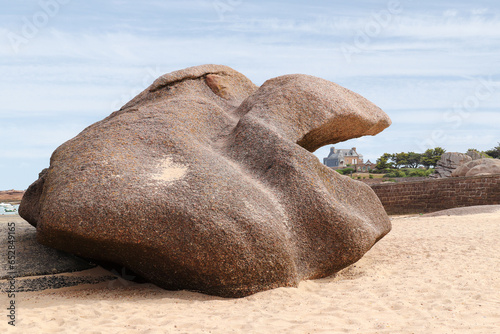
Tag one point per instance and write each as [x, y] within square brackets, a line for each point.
[438, 194]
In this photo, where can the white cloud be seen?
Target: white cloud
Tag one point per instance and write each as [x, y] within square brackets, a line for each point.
[479, 11]
[414, 67]
[405, 24]
[449, 119]
[450, 13]
[457, 27]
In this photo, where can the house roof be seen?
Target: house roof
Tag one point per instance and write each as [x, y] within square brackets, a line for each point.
[340, 153]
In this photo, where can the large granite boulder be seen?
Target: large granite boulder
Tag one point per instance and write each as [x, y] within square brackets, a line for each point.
[207, 182]
[478, 167]
[449, 162]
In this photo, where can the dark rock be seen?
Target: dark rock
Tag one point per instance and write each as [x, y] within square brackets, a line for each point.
[31, 258]
[30, 210]
[41, 283]
[206, 182]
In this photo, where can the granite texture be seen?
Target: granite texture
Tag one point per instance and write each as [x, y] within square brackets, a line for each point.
[207, 182]
[478, 167]
[449, 162]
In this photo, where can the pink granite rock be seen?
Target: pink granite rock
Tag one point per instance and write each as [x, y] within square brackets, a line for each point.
[449, 162]
[478, 167]
[207, 182]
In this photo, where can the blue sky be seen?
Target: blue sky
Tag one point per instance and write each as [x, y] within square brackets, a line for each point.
[433, 66]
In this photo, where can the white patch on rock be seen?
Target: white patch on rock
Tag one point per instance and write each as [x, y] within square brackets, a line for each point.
[170, 171]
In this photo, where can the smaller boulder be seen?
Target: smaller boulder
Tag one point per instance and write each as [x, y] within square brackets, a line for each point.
[449, 162]
[478, 167]
[475, 155]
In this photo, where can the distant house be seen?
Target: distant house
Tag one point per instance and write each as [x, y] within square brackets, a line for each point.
[343, 158]
[365, 167]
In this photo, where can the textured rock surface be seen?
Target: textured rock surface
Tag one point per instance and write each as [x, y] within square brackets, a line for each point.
[478, 167]
[449, 162]
[206, 182]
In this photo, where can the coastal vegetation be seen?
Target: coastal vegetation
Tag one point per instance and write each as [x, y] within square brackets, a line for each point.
[409, 160]
[494, 152]
[411, 164]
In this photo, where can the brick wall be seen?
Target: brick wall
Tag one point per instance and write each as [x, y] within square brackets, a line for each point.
[438, 194]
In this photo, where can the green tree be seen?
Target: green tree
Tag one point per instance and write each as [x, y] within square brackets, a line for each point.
[414, 159]
[400, 159]
[383, 161]
[431, 157]
[494, 152]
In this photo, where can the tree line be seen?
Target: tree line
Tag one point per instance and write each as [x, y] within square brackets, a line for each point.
[428, 159]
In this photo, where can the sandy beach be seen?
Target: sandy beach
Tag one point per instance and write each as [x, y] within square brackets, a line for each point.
[431, 274]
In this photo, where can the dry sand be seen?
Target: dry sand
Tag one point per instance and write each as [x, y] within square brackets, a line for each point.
[429, 275]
